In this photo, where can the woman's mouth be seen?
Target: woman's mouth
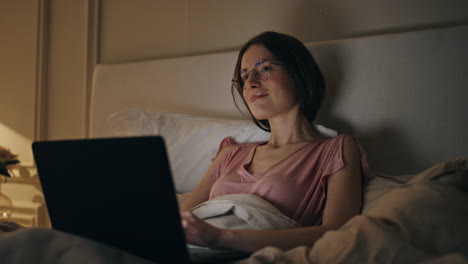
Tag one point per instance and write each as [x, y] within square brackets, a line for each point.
[257, 96]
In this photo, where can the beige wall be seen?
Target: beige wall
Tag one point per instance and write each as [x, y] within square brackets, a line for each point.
[21, 42]
[161, 28]
[67, 74]
[18, 58]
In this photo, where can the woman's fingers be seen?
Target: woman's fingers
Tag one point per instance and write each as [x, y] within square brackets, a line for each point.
[199, 232]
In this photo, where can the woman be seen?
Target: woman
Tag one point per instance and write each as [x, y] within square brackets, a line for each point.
[315, 181]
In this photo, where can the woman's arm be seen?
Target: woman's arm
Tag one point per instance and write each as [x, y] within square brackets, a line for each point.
[198, 232]
[343, 202]
[201, 193]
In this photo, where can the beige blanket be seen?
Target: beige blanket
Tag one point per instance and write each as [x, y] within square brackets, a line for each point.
[423, 221]
[242, 211]
[239, 211]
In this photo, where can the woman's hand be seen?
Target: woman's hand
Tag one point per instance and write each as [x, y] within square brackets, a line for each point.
[198, 232]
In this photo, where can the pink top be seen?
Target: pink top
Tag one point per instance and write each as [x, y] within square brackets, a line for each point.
[296, 185]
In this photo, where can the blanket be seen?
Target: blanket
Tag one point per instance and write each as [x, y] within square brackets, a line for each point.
[44, 246]
[242, 211]
[239, 211]
[422, 221]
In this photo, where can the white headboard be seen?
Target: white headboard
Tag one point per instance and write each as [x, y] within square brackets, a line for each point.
[403, 95]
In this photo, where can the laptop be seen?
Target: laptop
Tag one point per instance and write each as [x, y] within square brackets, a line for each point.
[117, 191]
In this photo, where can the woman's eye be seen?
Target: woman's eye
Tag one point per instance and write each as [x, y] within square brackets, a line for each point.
[244, 77]
[266, 68]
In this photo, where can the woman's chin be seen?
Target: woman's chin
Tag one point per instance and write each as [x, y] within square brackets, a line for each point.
[264, 113]
[260, 116]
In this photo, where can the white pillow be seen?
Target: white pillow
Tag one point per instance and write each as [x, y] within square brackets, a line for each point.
[192, 142]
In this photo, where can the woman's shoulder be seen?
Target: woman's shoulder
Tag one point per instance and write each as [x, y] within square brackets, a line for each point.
[349, 147]
[341, 143]
[342, 139]
[229, 144]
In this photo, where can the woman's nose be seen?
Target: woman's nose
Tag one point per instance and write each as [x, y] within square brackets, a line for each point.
[252, 82]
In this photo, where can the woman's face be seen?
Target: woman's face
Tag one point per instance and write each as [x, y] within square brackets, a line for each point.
[272, 97]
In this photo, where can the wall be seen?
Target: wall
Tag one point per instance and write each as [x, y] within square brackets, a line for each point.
[148, 29]
[18, 75]
[69, 60]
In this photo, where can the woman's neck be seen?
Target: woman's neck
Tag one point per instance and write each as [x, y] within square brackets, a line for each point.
[290, 129]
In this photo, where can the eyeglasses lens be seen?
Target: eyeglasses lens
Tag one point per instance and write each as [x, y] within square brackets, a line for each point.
[260, 72]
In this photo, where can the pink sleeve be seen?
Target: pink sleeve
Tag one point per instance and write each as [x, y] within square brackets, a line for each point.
[337, 163]
[227, 141]
[335, 160]
[366, 171]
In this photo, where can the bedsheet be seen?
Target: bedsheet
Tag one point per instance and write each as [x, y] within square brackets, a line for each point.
[242, 211]
[45, 246]
[237, 211]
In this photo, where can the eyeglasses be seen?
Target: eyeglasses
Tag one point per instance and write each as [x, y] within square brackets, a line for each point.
[261, 72]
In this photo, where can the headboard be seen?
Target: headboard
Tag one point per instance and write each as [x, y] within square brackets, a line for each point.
[403, 95]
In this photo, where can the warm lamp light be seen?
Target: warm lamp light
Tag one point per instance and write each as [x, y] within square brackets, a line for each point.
[6, 206]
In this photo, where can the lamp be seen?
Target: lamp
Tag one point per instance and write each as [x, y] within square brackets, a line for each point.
[6, 206]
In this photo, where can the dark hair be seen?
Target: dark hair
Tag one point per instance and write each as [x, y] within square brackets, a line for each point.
[303, 72]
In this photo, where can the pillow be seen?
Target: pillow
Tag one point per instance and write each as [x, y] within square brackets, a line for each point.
[192, 142]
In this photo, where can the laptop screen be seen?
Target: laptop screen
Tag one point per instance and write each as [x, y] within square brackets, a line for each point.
[117, 191]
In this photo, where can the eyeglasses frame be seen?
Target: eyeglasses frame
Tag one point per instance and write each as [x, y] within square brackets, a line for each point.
[240, 83]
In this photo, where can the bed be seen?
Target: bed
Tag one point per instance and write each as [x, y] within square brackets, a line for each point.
[402, 95]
